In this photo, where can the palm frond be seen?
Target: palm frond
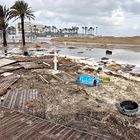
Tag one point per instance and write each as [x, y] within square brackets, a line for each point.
[4, 16]
[21, 8]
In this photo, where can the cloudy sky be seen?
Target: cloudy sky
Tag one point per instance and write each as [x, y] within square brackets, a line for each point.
[112, 17]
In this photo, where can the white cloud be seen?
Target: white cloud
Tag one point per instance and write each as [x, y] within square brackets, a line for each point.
[111, 16]
[118, 17]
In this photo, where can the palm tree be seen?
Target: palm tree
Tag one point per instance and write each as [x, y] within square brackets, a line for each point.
[93, 30]
[83, 29]
[86, 28]
[77, 28]
[49, 29]
[96, 30]
[21, 10]
[4, 18]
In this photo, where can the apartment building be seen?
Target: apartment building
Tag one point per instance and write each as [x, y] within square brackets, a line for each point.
[30, 28]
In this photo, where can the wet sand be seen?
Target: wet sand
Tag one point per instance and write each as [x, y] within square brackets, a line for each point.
[132, 43]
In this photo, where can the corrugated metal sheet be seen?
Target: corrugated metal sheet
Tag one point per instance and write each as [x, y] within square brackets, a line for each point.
[19, 126]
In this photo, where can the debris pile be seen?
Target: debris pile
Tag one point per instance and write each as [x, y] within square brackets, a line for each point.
[35, 86]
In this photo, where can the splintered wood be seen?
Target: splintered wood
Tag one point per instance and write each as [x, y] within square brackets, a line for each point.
[26, 100]
[64, 77]
[4, 62]
[7, 82]
[9, 68]
[29, 65]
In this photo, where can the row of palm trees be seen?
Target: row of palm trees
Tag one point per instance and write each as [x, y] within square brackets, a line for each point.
[90, 30]
[20, 10]
[72, 30]
[54, 29]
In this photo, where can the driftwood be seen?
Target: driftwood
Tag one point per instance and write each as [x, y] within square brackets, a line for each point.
[4, 62]
[46, 64]
[43, 79]
[124, 76]
[58, 78]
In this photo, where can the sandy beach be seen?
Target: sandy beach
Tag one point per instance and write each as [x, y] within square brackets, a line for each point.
[132, 43]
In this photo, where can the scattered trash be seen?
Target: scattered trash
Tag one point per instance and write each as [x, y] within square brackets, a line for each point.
[129, 108]
[34, 104]
[104, 58]
[43, 78]
[26, 54]
[7, 82]
[62, 96]
[46, 64]
[114, 66]
[58, 78]
[108, 52]
[88, 80]
[9, 68]
[37, 46]
[7, 74]
[2, 91]
[99, 69]
[135, 74]
[80, 52]
[106, 80]
[71, 47]
[88, 69]
[30, 65]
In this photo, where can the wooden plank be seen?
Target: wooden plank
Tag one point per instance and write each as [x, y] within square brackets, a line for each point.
[43, 79]
[18, 98]
[9, 68]
[17, 126]
[8, 81]
[23, 101]
[4, 62]
[11, 100]
[30, 65]
[20, 101]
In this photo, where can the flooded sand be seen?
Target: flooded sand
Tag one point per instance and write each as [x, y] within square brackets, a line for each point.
[121, 54]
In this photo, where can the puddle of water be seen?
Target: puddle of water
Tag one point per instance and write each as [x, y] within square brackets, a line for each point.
[121, 55]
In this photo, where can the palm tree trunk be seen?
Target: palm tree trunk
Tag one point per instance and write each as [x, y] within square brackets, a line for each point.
[4, 38]
[22, 28]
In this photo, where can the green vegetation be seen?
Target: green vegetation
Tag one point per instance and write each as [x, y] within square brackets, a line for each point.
[4, 18]
[19, 10]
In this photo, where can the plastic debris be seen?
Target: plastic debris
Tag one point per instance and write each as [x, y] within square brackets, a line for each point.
[89, 81]
[129, 108]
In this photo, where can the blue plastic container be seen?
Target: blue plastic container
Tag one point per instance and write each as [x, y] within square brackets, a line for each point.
[89, 81]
